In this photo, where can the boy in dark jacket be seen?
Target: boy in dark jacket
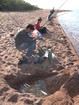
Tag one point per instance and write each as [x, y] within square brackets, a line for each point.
[25, 40]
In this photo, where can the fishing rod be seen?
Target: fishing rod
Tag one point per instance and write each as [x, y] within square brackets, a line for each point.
[55, 12]
[14, 19]
[62, 5]
[10, 14]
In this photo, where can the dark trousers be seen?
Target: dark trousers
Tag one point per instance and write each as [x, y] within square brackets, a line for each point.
[42, 30]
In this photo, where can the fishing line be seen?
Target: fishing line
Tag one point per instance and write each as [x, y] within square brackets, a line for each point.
[56, 10]
[14, 19]
[62, 5]
[10, 15]
[75, 38]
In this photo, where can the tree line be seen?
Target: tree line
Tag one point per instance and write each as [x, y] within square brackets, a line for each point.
[16, 5]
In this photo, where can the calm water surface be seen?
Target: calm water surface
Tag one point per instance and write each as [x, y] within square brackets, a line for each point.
[70, 23]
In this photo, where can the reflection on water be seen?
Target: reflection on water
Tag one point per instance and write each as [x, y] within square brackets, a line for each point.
[70, 23]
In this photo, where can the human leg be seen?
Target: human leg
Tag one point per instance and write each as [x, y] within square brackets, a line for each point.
[27, 59]
[31, 48]
[23, 60]
[43, 30]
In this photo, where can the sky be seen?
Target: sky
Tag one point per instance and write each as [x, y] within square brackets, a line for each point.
[49, 4]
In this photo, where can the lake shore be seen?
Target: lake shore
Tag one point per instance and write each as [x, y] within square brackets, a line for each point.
[61, 77]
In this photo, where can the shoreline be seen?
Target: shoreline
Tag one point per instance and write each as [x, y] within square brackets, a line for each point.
[74, 41]
[71, 39]
[60, 76]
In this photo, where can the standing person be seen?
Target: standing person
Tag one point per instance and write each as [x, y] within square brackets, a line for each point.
[25, 40]
[37, 26]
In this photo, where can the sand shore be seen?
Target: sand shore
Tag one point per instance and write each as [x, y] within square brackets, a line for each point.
[61, 77]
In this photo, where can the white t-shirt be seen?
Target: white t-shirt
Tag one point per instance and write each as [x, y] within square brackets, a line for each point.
[36, 34]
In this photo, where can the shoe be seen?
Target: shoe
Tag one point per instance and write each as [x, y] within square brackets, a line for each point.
[20, 62]
[24, 61]
[11, 35]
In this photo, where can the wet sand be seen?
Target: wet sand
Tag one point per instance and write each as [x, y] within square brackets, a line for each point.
[75, 43]
[61, 76]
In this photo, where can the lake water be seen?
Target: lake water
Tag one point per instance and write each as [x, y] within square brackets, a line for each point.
[70, 23]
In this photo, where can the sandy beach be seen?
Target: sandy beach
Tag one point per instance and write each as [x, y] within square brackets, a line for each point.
[61, 77]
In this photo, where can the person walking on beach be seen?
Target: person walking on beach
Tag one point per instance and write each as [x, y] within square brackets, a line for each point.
[38, 27]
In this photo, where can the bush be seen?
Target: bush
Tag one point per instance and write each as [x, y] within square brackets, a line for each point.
[16, 5]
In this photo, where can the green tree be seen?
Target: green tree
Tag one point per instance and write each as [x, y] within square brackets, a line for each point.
[16, 5]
